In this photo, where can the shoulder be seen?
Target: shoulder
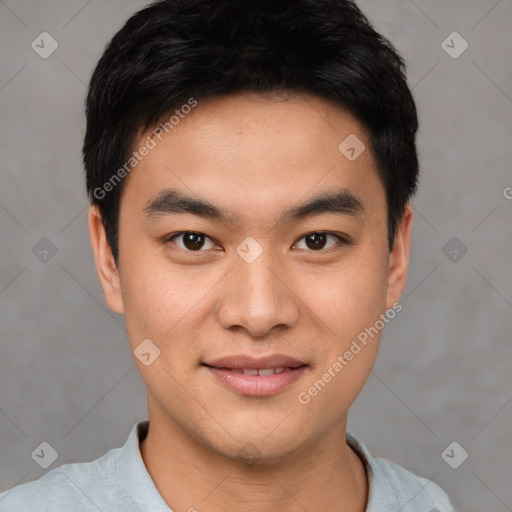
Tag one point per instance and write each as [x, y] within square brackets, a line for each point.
[392, 487]
[413, 491]
[81, 486]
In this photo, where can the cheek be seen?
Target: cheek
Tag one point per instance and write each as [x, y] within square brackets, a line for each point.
[346, 309]
[163, 308]
[349, 299]
[164, 304]
[155, 303]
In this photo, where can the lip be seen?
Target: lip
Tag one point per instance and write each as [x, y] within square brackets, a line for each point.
[244, 361]
[256, 385]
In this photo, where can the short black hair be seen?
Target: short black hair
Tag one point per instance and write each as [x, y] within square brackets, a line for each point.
[174, 52]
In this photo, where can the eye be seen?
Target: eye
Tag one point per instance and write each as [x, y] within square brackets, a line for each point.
[192, 241]
[318, 241]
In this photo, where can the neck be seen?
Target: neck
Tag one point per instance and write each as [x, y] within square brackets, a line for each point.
[190, 476]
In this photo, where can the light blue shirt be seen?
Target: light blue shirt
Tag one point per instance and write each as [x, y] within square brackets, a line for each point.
[118, 481]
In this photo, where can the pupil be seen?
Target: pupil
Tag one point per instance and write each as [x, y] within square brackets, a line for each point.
[318, 240]
[193, 241]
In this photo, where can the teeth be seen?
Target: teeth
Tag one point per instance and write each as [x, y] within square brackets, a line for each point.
[259, 371]
[262, 371]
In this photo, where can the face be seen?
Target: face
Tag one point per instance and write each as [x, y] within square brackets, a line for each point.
[253, 253]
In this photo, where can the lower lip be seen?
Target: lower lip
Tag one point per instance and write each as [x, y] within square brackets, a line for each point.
[256, 385]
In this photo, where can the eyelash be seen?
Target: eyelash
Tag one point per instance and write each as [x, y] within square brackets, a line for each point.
[341, 240]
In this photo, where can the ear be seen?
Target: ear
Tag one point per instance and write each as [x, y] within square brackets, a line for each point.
[106, 267]
[399, 258]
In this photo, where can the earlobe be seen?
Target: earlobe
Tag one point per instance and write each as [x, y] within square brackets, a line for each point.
[106, 267]
[399, 258]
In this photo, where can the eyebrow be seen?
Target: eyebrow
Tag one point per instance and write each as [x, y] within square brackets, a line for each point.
[170, 202]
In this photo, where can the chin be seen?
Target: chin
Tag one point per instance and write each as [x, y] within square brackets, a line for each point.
[260, 445]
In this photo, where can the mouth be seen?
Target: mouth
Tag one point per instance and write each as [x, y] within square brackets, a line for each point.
[257, 371]
[256, 377]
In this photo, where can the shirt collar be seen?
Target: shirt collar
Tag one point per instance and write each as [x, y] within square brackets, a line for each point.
[379, 495]
[133, 476]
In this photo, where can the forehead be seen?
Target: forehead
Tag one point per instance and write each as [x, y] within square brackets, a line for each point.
[251, 154]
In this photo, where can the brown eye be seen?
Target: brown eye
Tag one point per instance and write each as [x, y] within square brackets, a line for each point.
[318, 241]
[192, 241]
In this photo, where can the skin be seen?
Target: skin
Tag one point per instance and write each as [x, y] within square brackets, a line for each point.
[254, 157]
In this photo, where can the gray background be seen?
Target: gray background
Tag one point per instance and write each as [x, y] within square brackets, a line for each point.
[443, 373]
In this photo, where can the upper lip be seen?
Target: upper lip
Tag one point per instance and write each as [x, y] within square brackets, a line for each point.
[244, 361]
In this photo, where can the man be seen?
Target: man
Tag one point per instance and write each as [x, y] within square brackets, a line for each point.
[250, 166]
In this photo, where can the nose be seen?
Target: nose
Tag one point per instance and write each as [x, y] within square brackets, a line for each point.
[258, 297]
